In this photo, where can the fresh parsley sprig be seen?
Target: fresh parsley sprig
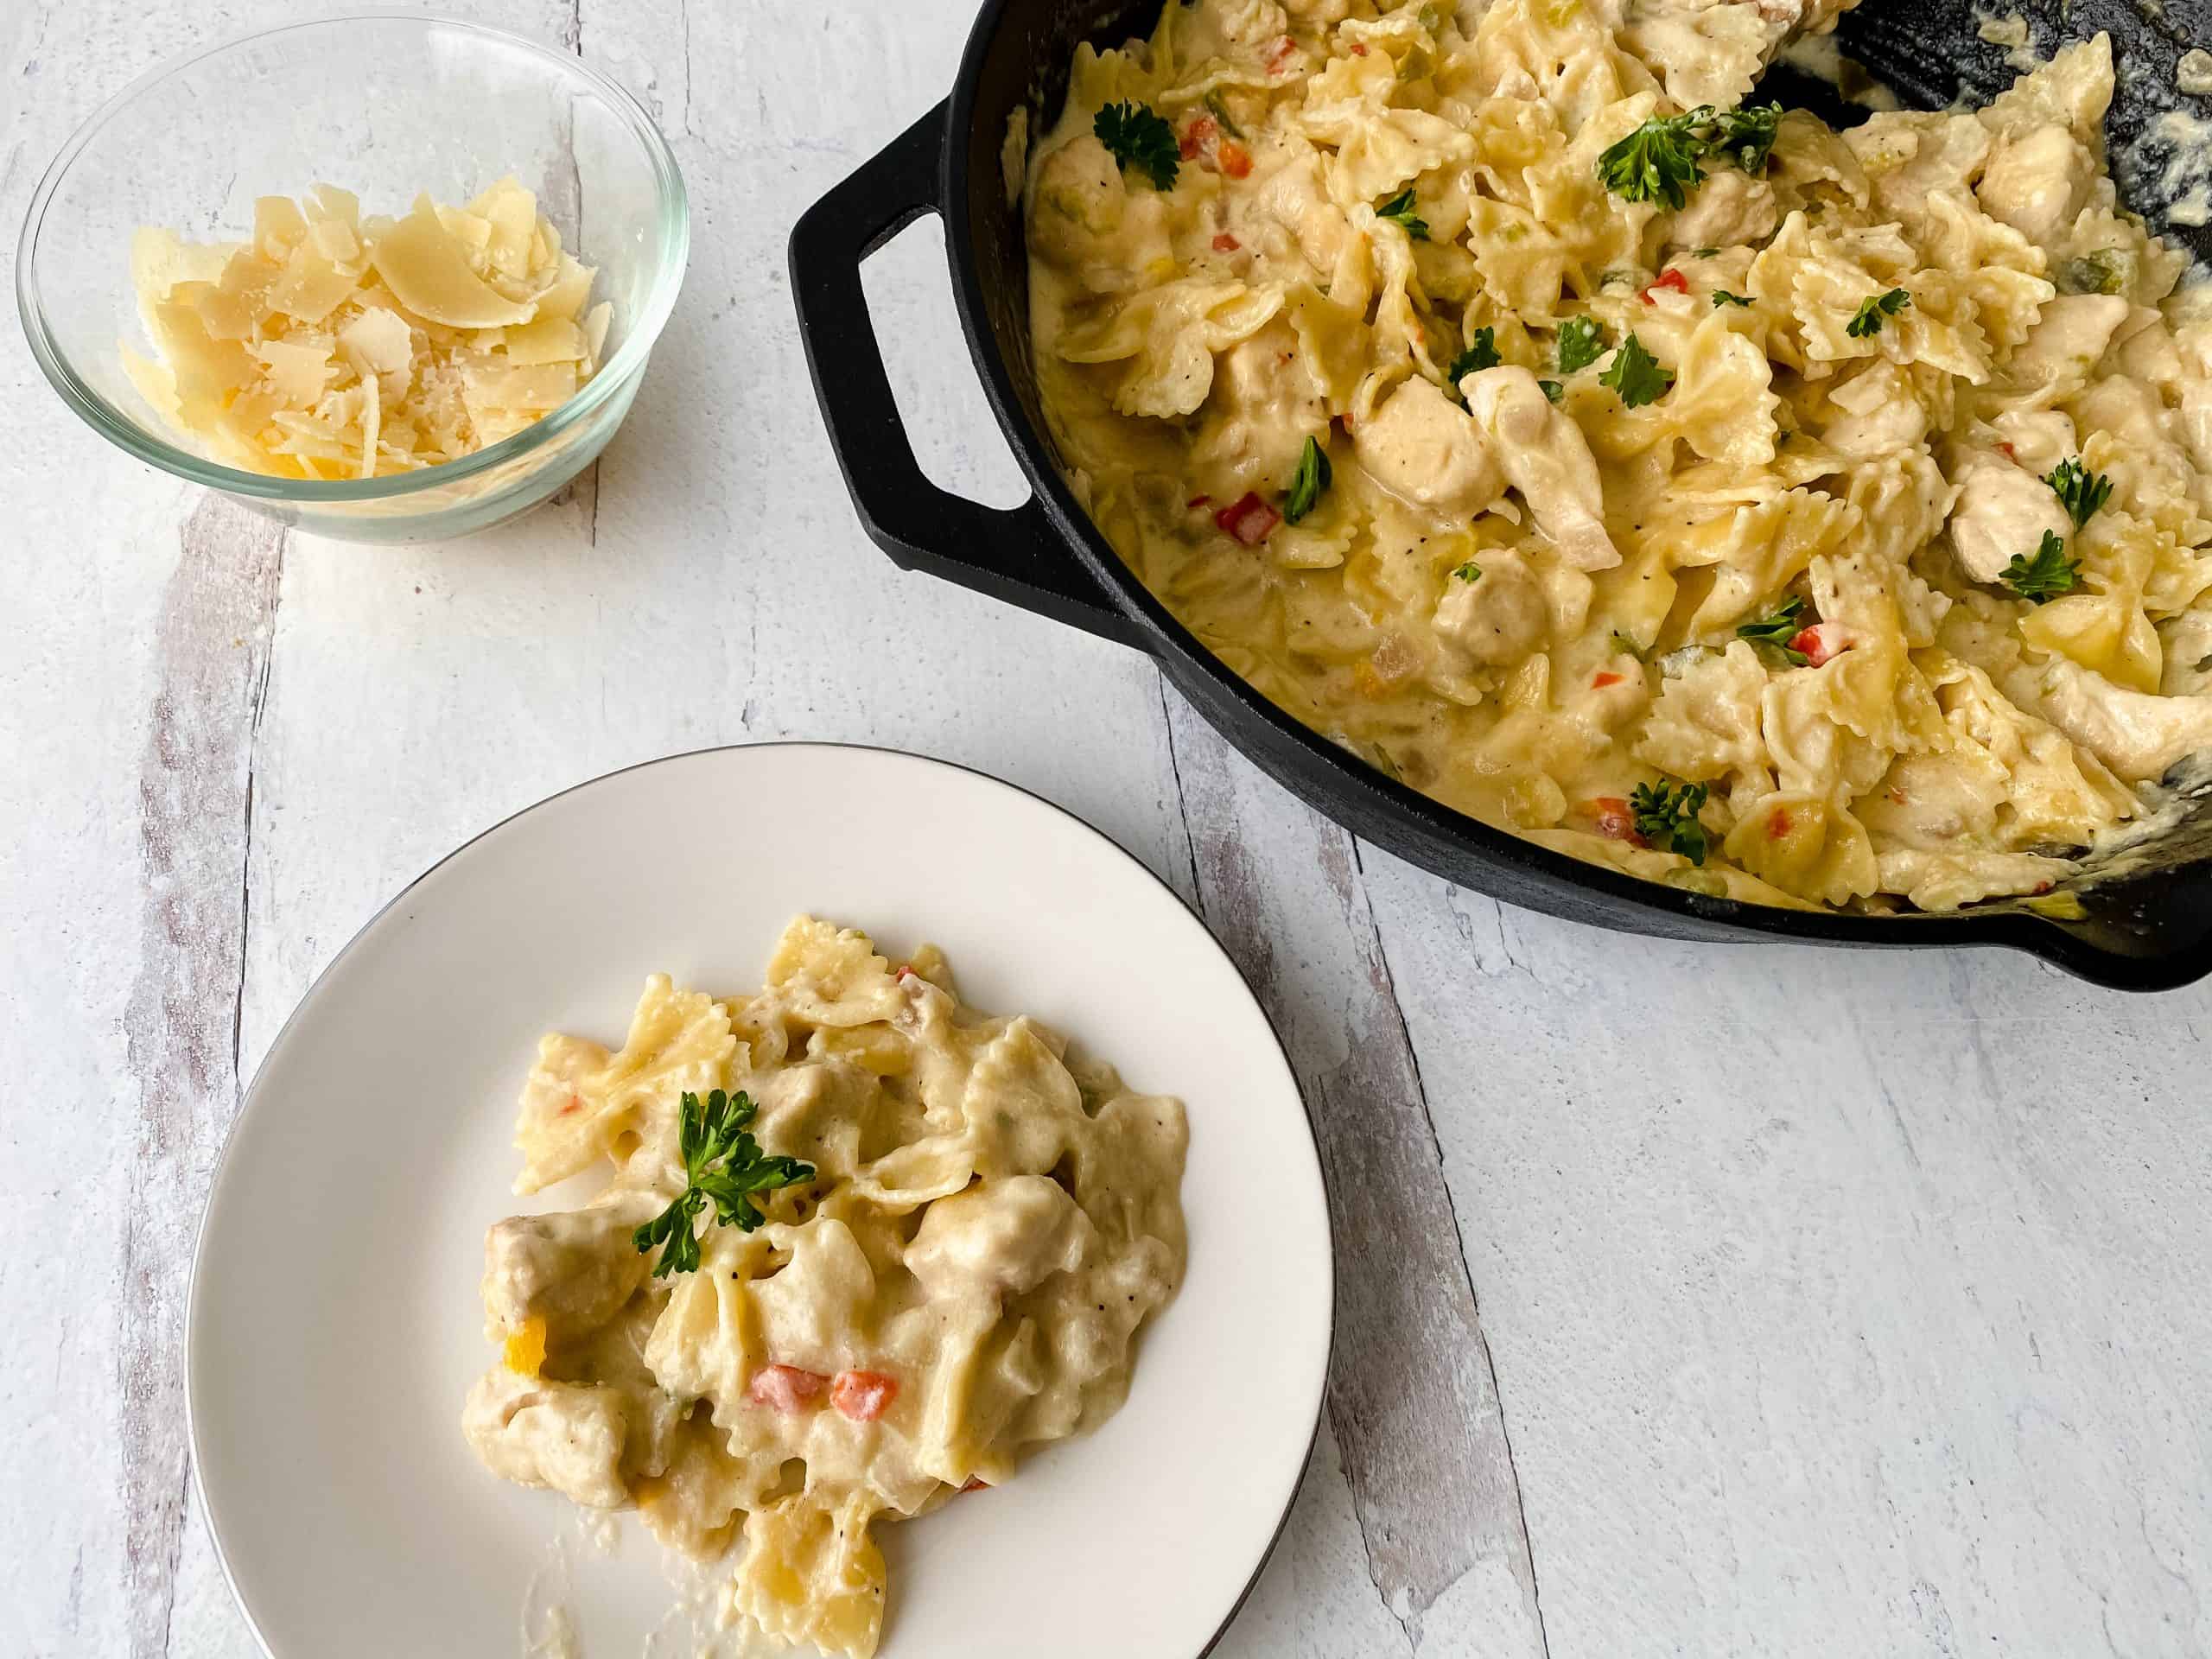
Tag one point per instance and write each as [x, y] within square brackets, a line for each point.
[1581, 342]
[1403, 210]
[1776, 632]
[1866, 322]
[1636, 374]
[1309, 483]
[2079, 490]
[1666, 816]
[721, 1162]
[1481, 353]
[2046, 575]
[1469, 572]
[1663, 159]
[1721, 296]
[1137, 136]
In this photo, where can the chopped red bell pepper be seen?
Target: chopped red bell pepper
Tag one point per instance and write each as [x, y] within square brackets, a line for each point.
[1236, 160]
[1611, 817]
[1225, 243]
[1251, 521]
[1673, 279]
[1195, 137]
[785, 1388]
[864, 1395]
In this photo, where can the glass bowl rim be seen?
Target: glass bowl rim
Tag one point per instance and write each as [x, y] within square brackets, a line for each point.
[125, 433]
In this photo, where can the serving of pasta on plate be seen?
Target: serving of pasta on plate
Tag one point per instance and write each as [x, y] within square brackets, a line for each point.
[1814, 517]
[858, 1249]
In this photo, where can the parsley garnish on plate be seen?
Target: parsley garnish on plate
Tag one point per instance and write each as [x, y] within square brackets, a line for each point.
[721, 1161]
[1136, 135]
[1666, 816]
[1481, 353]
[1663, 160]
[2079, 490]
[1309, 484]
[1721, 296]
[2045, 576]
[1774, 632]
[1402, 209]
[1636, 374]
[1867, 320]
[1581, 342]
[1469, 572]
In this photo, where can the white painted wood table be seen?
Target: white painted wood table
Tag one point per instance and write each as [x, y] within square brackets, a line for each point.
[1829, 1303]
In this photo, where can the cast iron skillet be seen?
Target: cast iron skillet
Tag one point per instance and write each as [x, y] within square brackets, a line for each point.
[2151, 931]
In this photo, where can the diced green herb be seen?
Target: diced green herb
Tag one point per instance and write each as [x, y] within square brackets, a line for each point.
[1663, 160]
[723, 1163]
[1666, 816]
[2046, 576]
[1581, 342]
[1636, 374]
[1551, 388]
[1309, 484]
[1721, 296]
[1658, 161]
[1703, 253]
[2079, 491]
[1867, 320]
[1219, 110]
[1403, 210]
[1137, 136]
[1469, 572]
[1481, 353]
[1776, 632]
[2102, 271]
[1745, 138]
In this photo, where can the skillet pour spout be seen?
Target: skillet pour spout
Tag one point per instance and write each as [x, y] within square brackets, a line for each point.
[2143, 923]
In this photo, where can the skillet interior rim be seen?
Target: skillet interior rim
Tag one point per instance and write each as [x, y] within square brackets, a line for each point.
[1223, 694]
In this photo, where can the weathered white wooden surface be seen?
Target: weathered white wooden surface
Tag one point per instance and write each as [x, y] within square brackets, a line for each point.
[1831, 1303]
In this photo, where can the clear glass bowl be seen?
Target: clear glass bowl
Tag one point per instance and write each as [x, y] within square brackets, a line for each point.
[386, 105]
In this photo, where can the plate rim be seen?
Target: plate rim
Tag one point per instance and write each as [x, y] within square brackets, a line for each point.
[187, 1346]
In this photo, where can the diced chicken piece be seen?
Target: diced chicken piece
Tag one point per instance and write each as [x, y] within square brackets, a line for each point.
[1496, 619]
[2002, 510]
[1087, 219]
[1261, 412]
[542, 1434]
[1000, 1237]
[1420, 445]
[1729, 209]
[1543, 456]
[2040, 438]
[2037, 182]
[1880, 414]
[573, 1270]
[1295, 198]
[2072, 331]
[2139, 735]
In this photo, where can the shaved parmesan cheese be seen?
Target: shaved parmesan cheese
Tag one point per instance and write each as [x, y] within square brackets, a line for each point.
[296, 373]
[380, 339]
[334, 346]
[430, 271]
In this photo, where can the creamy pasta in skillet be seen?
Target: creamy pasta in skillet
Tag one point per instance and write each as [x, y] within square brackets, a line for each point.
[1815, 518]
[859, 1247]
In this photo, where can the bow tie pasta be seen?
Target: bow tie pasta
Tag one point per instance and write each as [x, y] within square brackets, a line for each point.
[899, 1243]
[1814, 518]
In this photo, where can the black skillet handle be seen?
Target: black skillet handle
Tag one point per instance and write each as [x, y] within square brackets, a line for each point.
[1015, 555]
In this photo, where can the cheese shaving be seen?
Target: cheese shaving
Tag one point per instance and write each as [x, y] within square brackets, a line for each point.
[331, 346]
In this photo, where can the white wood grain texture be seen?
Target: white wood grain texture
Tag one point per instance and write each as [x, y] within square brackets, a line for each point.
[1839, 1304]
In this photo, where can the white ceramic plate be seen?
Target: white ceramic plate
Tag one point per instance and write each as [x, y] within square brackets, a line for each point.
[335, 1324]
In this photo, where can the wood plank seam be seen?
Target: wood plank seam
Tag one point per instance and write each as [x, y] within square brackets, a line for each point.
[195, 799]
